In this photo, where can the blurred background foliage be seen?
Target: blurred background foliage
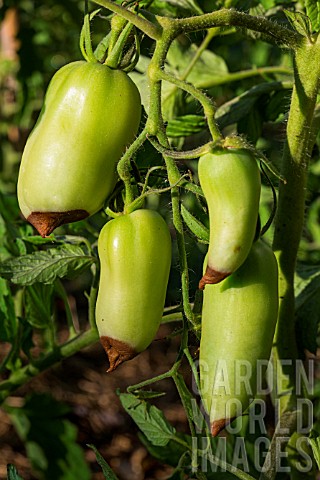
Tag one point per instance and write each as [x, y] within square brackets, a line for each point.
[250, 81]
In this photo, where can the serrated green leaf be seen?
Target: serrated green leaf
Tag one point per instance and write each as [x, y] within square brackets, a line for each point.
[190, 405]
[312, 219]
[308, 319]
[306, 283]
[173, 8]
[314, 439]
[267, 4]
[185, 125]
[12, 473]
[313, 12]
[106, 469]
[148, 394]
[196, 227]
[38, 240]
[251, 125]
[26, 339]
[169, 454]
[21, 246]
[38, 304]
[8, 320]
[307, 287]
[277, 104]
[50, 439]
[183, 464]
[300, 22]
[208, 66]
[192, 187]
[234, 110]
[149, 419]
[46, 266]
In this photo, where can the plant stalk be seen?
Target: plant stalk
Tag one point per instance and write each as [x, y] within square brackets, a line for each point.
[24, 374]
[290, 216]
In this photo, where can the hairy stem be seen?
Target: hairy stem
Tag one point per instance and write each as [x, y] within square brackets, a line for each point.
[152, 30]
[290, 215]
[155, 127]
[223, 79]
[225, 17]
[205, 101]
[124, 170]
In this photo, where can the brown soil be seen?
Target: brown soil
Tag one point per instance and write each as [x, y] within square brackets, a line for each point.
[82, 383]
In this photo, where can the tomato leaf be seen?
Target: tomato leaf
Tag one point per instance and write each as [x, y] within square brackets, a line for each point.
[208, 67]
[149, 419]
[169, 454]
[313, 11]
[8, 320]
[38, 304]
[251, 124]
[106, 469]
[238, 107]
[307, 286]
[191, 407]
[50, 439]
[12, 473]
[46, 266]
[196, 227]
[307, 282]
[186, 125]
[300, 22]
[314, 440]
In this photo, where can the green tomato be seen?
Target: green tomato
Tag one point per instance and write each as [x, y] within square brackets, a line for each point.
[90, 115]
[238, 322]
[135, 257]
[230, 180]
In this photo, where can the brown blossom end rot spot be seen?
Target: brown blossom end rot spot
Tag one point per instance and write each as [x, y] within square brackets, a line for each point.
[117, 352]
[46, 222]
[211, 277]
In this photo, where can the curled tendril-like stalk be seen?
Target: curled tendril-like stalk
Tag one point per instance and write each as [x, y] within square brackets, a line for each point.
[182, 155]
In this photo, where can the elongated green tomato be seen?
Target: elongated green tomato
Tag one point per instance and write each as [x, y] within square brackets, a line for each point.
[238, 323]
[135, 257]
[68, 168]
[230, 180]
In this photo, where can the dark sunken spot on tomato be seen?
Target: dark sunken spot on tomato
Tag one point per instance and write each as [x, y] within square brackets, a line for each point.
[212, 277]
[46, 222]
[117, 352]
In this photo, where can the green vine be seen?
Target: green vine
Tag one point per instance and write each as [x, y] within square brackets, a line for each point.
[289, 220]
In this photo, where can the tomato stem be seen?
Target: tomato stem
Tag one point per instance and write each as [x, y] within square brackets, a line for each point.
[205, 101]
[290, 215]
[155, 127]
[274, 32]
[153, 30]
[124, 169]
[178, 224]
[24, 374]
[182, 155]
